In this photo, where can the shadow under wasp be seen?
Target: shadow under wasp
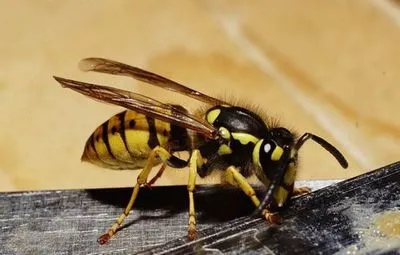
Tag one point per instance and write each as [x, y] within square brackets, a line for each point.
[224, 136]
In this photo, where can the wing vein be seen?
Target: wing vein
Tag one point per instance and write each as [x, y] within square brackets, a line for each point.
[142, 104]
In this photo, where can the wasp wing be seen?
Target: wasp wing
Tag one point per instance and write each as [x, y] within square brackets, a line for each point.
[142, 104]
[102, 65]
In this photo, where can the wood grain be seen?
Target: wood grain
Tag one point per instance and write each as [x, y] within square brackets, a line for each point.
[337, 216]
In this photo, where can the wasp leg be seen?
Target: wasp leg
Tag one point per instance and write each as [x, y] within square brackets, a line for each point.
[301, 191]
[196, 161]
[234, 177]
[165, 156]
[157, 176]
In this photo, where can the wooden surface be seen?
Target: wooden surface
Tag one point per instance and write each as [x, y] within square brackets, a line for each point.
[339, 218]
[328, 67]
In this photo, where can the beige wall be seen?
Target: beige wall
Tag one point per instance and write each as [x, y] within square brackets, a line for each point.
[328, 67]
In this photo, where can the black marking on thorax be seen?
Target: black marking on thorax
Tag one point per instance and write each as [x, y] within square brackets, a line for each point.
[238, 119]
[240, 158]
[235, 120]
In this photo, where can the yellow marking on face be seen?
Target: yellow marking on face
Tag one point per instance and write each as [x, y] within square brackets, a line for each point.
[245, 138]
[256, 154]
[293, 153]
[277, 153]
[213, 115]
[281, 195]
[225, 133]
[224, 149]
[258, 167]
[290, 175]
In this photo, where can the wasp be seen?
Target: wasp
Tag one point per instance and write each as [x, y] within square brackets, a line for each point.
[224, 137]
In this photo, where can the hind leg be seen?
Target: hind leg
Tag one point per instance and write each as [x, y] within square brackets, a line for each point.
[166, 157]
[157, 176]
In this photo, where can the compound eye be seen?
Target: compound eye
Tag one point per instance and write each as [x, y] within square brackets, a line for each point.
[282, 136]
[281, 132]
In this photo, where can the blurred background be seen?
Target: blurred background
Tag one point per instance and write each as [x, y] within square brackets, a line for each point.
[326, 67]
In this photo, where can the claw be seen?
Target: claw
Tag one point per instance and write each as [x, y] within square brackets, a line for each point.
[148, 185]
[273, 218]
[192, 233]
[103, 239]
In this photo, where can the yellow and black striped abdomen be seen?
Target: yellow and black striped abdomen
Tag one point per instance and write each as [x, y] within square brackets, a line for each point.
[125, 141]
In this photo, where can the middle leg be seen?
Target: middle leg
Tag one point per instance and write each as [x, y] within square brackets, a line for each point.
[196, 161]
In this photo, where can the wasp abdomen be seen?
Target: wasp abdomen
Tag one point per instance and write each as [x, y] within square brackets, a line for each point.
[125, 141]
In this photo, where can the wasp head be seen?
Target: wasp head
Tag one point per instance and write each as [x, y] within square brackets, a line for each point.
[274, 158]
[268, 153]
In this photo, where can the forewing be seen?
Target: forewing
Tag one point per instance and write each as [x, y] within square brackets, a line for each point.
[113, 67]
[141, 104]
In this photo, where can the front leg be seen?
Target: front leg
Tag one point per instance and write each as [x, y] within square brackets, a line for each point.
[234, 177]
